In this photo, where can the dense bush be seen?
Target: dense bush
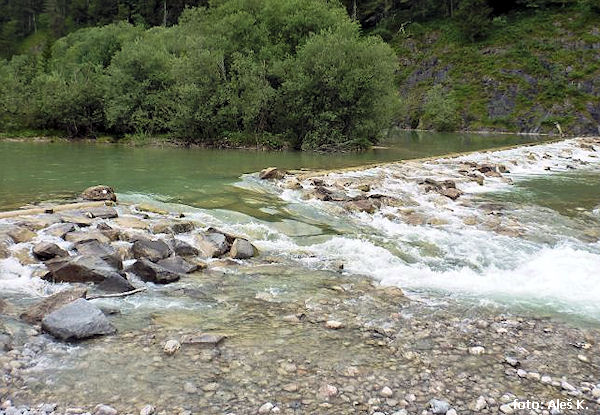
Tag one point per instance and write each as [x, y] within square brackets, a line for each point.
[440, 110]
[297, 70]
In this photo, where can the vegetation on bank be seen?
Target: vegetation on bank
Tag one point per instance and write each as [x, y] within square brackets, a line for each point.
[271, 72]
[309, 74]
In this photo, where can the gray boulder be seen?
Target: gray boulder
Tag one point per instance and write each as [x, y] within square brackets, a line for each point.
[79, 268]
[182, 248]
[47, 250]
[76, 218]
[80, 236]
[177, 265]
[99, 192]
[242, 249]
[39, 310]
[101, 250]
[60, 230]
[152, 250]
[77, 320]
[150, 272]
[439, 406]
[212, 244]
[115, 283]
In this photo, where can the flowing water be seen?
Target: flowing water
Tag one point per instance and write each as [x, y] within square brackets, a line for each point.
[529, 247]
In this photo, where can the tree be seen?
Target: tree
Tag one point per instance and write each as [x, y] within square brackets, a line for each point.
[440, 111]
[473, 17]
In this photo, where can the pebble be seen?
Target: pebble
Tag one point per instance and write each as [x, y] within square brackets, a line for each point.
[546, 380]
[334, 325]
[265, 408]
[451, 411]
[328, 391]
[148, 410]
[439, 406]
[189, 387]
[512, 361]
[521, 373]
[567, 386]
[171, 347]
[104, 410]
[507, 409]
[476, 350]
[386, 392]
[401, 412]
[480, 404]
[596, 392]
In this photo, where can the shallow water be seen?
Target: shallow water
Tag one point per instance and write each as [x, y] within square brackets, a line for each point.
[454, 273]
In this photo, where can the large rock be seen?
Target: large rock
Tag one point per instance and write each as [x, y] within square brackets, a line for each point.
[101, 250]
[99, 192]
[76, 218]
[203, 339]
[38, 311]
[131, 222]
[115, 283]
[212, 244]
[81, 236]
[152, 250]
[177, 265]
[77, 320]
[272, 173]
[174, 227]
[60, 230]
[102, 212]
[47, 250]
[21, 234]
[182, 248]
[79, 269]
[151, 272]
[242, 249]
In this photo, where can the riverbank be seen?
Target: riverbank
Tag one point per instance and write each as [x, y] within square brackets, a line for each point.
[398, 289]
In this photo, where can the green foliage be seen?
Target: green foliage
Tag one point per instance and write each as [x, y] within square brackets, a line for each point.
[440, 111]
[334, 97]
[473, 19]
[239, 71]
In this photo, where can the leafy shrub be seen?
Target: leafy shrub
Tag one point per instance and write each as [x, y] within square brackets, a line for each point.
[440, 110]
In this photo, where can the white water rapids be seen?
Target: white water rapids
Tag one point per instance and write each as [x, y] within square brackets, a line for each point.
[513, 254]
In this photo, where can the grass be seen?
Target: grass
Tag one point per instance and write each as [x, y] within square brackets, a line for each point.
[542, 58]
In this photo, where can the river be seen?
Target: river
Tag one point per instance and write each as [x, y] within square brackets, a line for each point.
[523, 244]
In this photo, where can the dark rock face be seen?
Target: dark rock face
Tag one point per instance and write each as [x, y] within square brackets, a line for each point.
[152, 250]
[79, 268]
[101, 250]
[213, 244]
[177, 265]
[150, 272]
[77, 320]
[46, 250]
[38, 311]
[242, 249]
[99, 192]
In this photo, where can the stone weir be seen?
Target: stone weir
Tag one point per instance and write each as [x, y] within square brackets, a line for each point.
[103, 248]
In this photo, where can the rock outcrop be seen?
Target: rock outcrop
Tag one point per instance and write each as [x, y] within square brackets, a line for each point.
[99, 192]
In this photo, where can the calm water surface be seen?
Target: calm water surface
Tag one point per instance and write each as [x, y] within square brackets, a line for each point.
[31, 172]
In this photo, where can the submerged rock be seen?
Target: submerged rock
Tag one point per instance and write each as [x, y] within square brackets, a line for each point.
[171, 347]
[46, 250]
[77, 320]
[202, 339]
[99, 192]
[154, 250]
[150, 272]
[242, 249]
[38, 311]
